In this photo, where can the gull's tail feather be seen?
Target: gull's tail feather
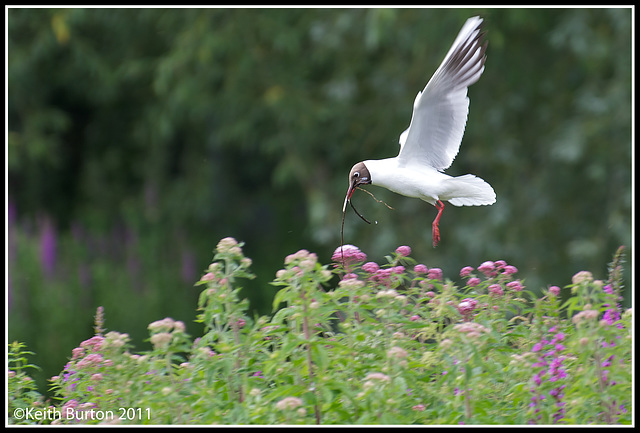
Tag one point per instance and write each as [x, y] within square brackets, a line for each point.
[469, 190]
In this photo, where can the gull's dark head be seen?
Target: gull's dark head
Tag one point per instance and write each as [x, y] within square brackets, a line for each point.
[359, 175]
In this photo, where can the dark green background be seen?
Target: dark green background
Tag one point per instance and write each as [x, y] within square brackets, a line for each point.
[138, 138]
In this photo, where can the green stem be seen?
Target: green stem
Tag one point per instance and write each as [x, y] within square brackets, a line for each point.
[307, 336]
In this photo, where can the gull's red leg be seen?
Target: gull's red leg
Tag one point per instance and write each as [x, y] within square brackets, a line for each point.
[434, 227]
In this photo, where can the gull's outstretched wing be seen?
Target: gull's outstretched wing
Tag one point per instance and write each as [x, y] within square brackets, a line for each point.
[440, 110]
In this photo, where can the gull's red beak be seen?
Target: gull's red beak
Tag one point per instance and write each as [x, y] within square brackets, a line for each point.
[359, 175]
[350, 191]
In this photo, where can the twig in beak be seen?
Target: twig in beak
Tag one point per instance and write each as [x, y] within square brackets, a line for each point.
[374, 197]
[344, 212]
[342, 227]
[358, 213]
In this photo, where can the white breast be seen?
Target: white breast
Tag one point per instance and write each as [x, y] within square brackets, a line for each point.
[417, 181]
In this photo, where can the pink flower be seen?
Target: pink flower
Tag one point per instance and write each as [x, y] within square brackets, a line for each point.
[466, 307]
[554, 290]
[226, 244]
[516, 286]
[420, 269]
[403, 250]
[91, 359]
[487, 268]
[351, 254]
[509, 270]
[496, 290]
[289, 403]
[581, 277]
[435, 274]
[93, 343]
[500, 264]
[382, 276]
[397, 270]
[466, 271]
[209, 276]
[78, 352]
[71, 404]
[370, 267]
[378, 376]
[303, 256]
[473, 281]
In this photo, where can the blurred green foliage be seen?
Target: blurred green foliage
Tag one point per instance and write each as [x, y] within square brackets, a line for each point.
[138, 138]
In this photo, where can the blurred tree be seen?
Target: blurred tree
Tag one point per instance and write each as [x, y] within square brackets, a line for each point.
[155, 132]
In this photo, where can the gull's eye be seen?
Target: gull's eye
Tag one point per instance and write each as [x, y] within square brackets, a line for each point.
[356, 174]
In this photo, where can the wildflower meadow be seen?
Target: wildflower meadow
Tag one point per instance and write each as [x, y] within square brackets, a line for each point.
[356, 342]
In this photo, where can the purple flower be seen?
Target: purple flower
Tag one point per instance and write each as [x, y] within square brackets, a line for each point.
[403, 251]
[537, 379]
[607, 362]
[611, 316]
[537, 347]
[551, 371]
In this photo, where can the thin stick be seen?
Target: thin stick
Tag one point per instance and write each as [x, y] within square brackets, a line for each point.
[357, 213]
[342, 237]
[374, 197]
